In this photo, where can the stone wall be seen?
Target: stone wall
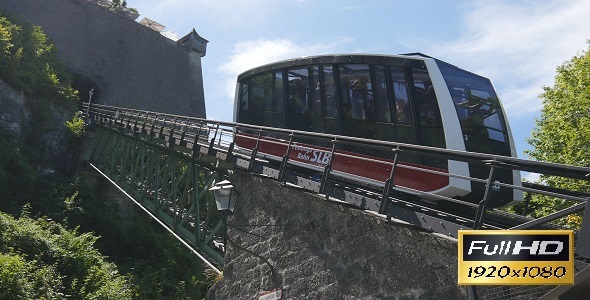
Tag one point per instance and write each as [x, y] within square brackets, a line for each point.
[130, 64]
[328, 251]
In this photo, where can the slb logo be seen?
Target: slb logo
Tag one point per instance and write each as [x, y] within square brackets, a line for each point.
[516, 257]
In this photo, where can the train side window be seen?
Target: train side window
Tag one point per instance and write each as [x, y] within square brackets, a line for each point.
[382, 108]
[379, 104]
[315, 91]
[330, 92]
[426, 103]
[278, 91]
[399, 86]
[298, 91]
[430, 130]
[356, 97]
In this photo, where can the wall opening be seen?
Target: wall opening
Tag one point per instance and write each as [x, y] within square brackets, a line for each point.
[84, 85]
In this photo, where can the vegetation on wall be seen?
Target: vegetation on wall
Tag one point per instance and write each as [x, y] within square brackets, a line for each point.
[76, 125]
[62, 238]
[29, 62]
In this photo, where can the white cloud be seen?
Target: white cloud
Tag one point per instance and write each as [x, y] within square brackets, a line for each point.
[525, 40]
[249, 54]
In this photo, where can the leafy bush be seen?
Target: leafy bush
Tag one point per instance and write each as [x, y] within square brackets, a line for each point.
[22, 279]
[76, 126]
[62, 262]
[17, 177]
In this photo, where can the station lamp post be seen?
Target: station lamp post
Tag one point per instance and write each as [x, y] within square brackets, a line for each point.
[225, 200]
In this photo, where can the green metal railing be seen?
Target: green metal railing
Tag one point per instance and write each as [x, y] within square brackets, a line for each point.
[169, 182]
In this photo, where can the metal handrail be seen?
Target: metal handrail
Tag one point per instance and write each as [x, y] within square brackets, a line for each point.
[575, 172]
[112, 114]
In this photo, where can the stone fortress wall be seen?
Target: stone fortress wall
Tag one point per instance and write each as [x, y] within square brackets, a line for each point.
[128, 64]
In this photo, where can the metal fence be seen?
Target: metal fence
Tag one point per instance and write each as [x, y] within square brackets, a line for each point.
[215, 140]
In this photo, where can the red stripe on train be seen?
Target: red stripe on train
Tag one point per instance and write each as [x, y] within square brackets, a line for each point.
[349, 163]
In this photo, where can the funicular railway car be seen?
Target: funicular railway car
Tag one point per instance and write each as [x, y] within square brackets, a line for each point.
[410, 98]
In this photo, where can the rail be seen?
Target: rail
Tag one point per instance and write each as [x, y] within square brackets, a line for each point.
[197, 137]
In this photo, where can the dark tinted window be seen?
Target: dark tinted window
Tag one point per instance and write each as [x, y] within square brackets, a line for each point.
[330, 92]
[425, 100]
[356, 97]
[379, 87]
[476, 104]
[278, 92]
[299, 91]
[429, 123]
[257, 93]
[314, 90]
[399, 87]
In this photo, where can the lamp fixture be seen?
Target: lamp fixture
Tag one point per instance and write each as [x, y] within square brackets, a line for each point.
[225, 196]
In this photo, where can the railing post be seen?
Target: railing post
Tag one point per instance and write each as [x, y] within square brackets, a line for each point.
[135, 124]
[254, 152]
[285, 158]
[171, 135]
[128, 120]
[144, 123]
[212, 142]
[230, 150]
[481, 210]
[479, 217]
[196, 147]
[327, 169]
[162, 128]
[389, 183]
[153, 126]
[183, 133]
[117, 121]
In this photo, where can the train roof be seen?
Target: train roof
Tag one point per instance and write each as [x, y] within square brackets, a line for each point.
[352, 58]
[416, 61]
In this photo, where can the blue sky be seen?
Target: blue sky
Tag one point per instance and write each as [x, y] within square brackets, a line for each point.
[517, 44]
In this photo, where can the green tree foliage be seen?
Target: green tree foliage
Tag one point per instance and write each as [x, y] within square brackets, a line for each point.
[17, 177]
[42, 259]
[29, 62]
[562, 134]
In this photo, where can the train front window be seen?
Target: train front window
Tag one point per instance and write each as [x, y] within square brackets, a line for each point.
[257, 93]
[476, 103]
[256, 100]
